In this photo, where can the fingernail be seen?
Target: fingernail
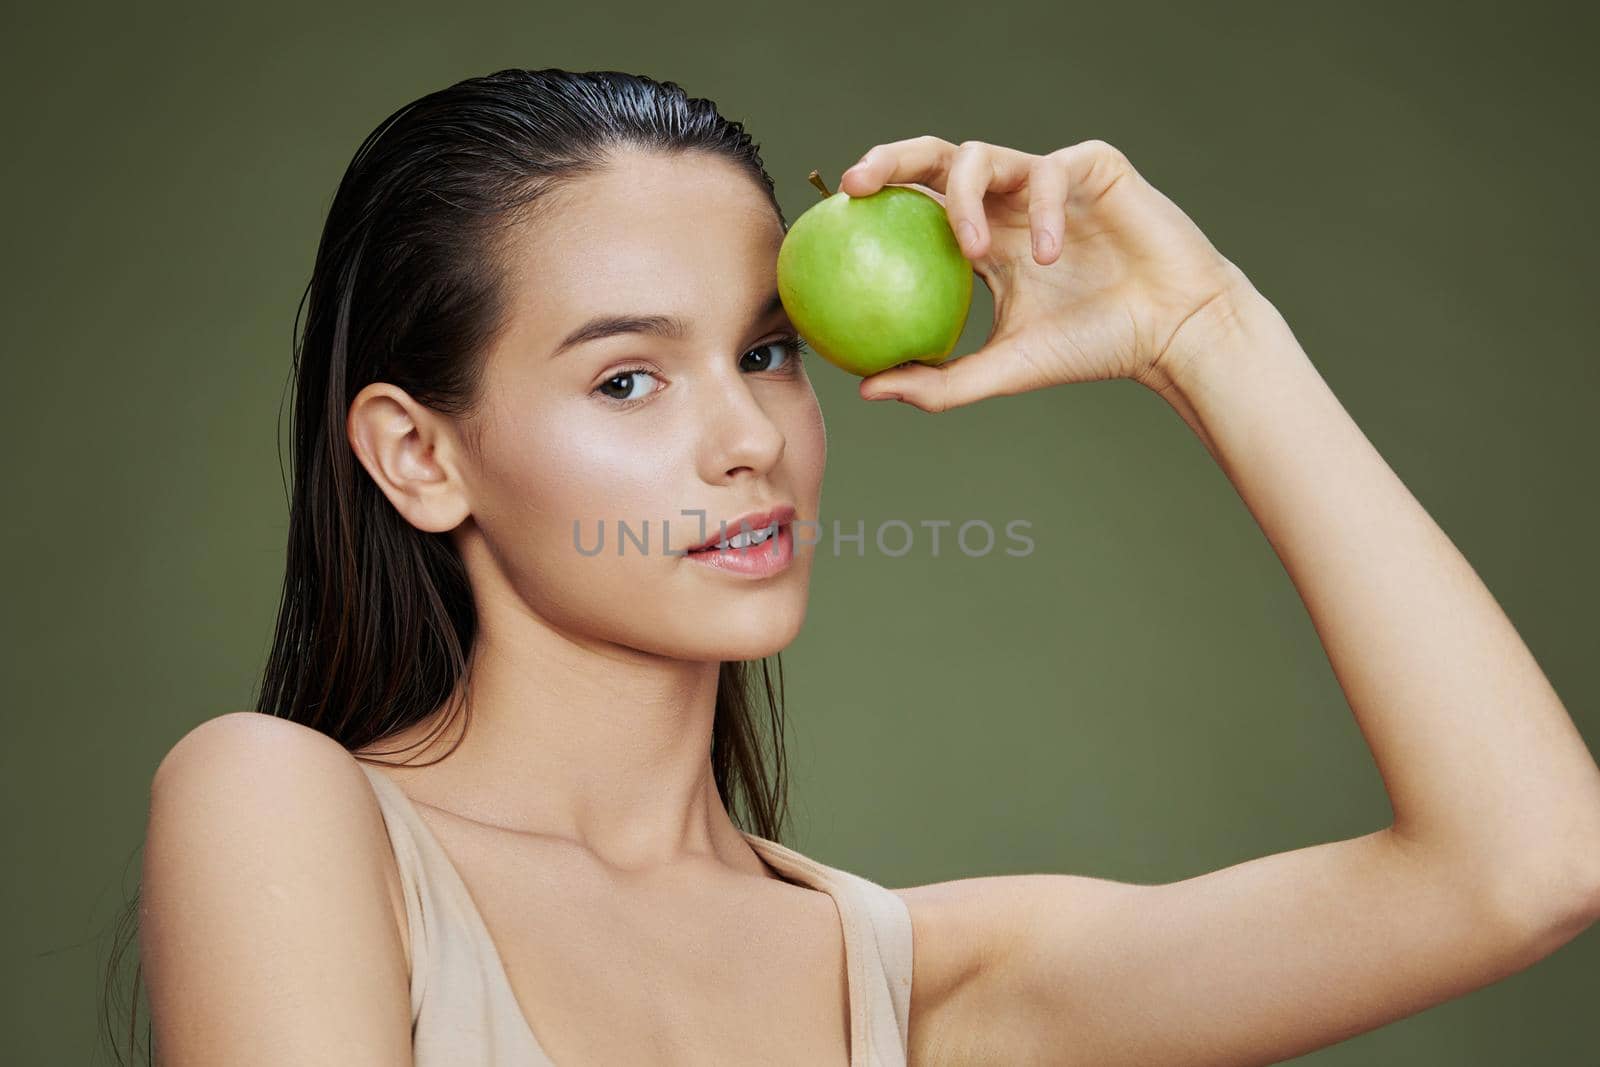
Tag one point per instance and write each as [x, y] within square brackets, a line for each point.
[1043, 243]
[969, 234]
[884, 396]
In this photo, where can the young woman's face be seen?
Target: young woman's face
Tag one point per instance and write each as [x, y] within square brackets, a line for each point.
[638, 428]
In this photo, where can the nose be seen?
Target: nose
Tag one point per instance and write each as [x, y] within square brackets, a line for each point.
[742, 438]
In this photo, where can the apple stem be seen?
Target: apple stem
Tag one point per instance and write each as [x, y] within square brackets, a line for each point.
[816, 179]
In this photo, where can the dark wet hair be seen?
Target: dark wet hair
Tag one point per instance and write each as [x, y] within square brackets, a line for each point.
[376, 616]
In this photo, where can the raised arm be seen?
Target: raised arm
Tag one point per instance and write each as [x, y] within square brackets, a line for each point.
[1493, 858]
[1488, 777]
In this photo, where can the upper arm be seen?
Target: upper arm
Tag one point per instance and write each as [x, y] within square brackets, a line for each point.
[266, 927]
[1251, 964]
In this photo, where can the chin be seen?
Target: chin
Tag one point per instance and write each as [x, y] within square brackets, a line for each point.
[751, 651]
[759, 639]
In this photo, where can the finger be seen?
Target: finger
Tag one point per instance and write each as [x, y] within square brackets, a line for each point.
[951, 384]
[1092, 168]
[923, 159]
[977, 170]
[1047, 199]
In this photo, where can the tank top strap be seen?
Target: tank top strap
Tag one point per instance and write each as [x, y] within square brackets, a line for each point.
[878, 942]
[414, 881]
[463, 1009]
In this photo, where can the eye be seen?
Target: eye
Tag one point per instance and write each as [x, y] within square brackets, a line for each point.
[791, 346]
[786, 362]
[628, 377]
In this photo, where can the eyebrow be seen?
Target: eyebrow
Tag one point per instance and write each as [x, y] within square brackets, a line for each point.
[670, 326]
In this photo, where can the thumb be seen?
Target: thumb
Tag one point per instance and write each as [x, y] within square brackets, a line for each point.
[951, 384]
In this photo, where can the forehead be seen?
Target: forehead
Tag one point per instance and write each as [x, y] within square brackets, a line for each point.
[692, 234]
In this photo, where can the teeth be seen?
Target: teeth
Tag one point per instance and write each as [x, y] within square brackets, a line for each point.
[745, 540]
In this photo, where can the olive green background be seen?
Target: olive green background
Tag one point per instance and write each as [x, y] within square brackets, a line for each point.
[1143, 698]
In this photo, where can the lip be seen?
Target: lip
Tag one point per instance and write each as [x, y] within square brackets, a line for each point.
[751, 522]
[771, 557]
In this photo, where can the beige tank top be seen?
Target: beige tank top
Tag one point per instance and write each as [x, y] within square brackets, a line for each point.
[463, 1010]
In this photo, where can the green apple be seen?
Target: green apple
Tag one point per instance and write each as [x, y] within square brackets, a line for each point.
[875, 281]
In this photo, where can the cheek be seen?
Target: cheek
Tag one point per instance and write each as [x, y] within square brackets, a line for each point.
[567, 466]
[580, 470]
[566, 463]
[809, 442]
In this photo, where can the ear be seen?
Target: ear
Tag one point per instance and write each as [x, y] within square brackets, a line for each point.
[410, 452]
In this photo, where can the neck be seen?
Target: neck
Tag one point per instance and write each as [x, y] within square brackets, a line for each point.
[601, 745]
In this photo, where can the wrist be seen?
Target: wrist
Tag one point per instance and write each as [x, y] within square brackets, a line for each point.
[1219, 341]
[1229, 346]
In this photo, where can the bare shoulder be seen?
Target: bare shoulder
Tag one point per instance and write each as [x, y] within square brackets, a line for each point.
[249, 772]
[241, 737]
[267, 921]
[1258, 962]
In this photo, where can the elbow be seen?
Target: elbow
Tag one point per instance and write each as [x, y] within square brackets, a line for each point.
[1590, 899]
[1585, 879]
[1553, 903]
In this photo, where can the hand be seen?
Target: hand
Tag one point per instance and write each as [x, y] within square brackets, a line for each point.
[1117, 282]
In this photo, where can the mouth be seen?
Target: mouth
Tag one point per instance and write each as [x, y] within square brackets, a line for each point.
[766, 558]
[748, 531]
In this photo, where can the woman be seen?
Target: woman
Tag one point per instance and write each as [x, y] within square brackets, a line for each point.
[484, 814]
